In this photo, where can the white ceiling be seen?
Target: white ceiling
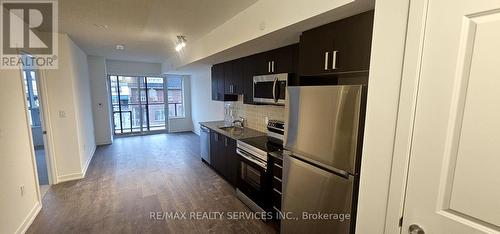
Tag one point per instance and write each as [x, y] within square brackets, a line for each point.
[147, 28]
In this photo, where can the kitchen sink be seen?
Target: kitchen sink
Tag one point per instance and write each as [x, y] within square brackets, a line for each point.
[232, 129]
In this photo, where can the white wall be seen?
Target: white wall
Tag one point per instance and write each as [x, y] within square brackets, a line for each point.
[83, 105]
[117, 67]
[16, 157]
[100, 100]
[71, 131]
[186, 123]
[202, 107]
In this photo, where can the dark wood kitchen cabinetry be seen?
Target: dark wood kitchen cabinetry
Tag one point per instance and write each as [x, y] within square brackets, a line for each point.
[223, 156]
[231, 170]
[275, 61]
[247, 79]
[235, 77]
[233, 72]
[216, 158]
[338, 47]
[276, 164]
[218, 84]
[281, 60]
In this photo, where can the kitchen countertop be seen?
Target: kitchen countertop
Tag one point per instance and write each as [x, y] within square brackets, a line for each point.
[236, 134]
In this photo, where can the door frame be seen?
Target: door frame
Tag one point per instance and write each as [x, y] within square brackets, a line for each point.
[410, 85]
[46, 126]
[111, 117]
[398, 35]
[48, 137]
[410, 80]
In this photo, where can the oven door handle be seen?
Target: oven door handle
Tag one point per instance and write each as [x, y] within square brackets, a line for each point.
[251, 158]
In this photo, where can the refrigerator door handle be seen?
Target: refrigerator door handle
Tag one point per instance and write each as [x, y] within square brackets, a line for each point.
[330, 169]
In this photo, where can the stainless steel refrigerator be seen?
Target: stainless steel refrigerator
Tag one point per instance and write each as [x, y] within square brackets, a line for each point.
[321, 160]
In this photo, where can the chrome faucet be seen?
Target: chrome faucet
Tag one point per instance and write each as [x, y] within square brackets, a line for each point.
[241, 120]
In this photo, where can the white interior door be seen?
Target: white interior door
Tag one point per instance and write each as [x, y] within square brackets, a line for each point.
[454, 173]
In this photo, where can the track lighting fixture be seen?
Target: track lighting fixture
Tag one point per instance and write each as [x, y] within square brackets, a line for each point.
[181, 43]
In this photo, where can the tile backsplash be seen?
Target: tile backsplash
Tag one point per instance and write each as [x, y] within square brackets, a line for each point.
[256, 116]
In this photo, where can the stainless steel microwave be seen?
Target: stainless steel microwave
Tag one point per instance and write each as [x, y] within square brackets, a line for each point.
[270, 89]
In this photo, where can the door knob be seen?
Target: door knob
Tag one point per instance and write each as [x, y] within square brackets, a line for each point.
[415, 229]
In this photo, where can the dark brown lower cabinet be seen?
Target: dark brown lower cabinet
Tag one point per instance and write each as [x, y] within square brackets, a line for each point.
[276, 166]
[231, 170]
[223, 156]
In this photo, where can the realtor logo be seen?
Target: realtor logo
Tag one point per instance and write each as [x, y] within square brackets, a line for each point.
[29, 34]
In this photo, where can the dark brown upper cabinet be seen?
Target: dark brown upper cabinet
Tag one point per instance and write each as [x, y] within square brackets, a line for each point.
[233, 72]
[279, 60]
[218, 85]
[247, 78]
[341, 46]
[235, 77]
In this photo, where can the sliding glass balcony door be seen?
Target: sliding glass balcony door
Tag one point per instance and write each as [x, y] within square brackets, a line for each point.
[138, 104]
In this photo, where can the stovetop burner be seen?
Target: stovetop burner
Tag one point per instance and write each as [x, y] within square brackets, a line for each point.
[265, 143]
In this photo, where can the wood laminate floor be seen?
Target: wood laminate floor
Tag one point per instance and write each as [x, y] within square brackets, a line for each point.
[138, 175]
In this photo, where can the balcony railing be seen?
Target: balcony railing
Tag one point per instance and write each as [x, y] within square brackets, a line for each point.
[176, 114]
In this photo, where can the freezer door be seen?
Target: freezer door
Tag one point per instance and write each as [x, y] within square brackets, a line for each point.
[313, 191]
[322, 123]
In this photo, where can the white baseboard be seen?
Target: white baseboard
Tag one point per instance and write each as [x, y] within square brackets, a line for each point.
[104, 142]
[195, 132]
[81, 175]
[30, 218]
[77, 176]
[180, 130]
[92, 152]
[68, 177]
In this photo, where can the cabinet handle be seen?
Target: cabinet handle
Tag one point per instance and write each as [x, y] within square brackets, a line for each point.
[272, 66]
[326, 61]
[334, 60]
[269, 67]
[225, 141]
[231, 88]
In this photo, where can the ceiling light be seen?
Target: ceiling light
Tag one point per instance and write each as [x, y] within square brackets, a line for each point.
[181, 43]
[120, 47]
[178, 47]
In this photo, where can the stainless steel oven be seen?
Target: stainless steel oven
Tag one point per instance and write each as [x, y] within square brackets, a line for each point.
[253, 186]
[270, 89]
[252, 183]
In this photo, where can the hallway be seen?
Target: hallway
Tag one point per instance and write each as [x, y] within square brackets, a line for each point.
[138, 175]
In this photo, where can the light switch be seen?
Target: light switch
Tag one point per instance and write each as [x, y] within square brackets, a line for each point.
[62, 114]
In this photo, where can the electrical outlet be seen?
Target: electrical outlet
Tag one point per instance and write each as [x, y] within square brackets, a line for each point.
[21, 189]
[262, 25]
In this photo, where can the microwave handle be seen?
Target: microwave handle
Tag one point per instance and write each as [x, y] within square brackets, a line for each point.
[274, 89]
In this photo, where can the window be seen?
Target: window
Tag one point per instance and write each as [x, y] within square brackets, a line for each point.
[138, 104]
[32, 97]
[175, 97]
